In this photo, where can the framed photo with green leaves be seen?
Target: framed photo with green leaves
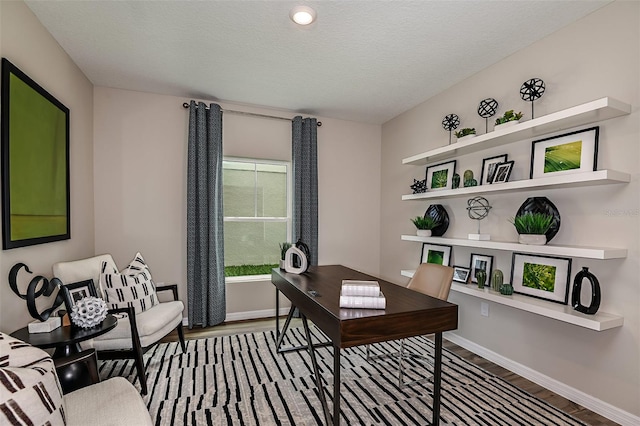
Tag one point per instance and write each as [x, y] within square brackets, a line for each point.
[543, 277]
[35, 162]
[436, 253]
[440, 176]
[575, 152]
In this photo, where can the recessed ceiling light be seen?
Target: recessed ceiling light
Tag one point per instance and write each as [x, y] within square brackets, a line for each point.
[302, 15]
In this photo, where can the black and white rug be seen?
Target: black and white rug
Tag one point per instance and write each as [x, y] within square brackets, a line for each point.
[240, 380]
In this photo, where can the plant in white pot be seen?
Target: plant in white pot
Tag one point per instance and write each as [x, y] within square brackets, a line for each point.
[424, 225]
[533, 227]
[509, 118]
[466, 133]
[283, 251]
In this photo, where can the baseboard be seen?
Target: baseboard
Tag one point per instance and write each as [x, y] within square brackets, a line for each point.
[594, 404]
[239, 316]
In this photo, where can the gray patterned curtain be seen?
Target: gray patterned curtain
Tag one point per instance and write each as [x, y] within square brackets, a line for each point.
[205, 238]
[305, 183]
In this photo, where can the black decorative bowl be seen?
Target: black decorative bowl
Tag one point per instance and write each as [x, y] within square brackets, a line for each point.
[438, 213]
[542, 205]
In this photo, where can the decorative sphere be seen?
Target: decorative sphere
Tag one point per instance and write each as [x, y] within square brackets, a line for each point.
[89, 312]
[532, 89]
[487, 108]
[478, 208]
[451, 122]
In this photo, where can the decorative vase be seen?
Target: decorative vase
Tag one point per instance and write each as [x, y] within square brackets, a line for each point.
[533, 239]
[281, 264]
[506, 125]
[506, 289]
[455, 181]
[438, 213]
[577, 288]
[89, 312]
[481, 277]
[545, 206]
[424, 232]
[497, 279]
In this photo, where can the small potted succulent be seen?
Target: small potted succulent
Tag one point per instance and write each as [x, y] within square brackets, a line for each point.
[424, 225]
[466, 133]
[508, 119]
[283, 251]
[532, 227]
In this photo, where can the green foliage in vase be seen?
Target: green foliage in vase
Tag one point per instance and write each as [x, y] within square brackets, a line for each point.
[424, 222]
[283, 249]
[465, 132]
[509, 116]
[533, 223]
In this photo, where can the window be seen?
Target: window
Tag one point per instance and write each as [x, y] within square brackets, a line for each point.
[257, 214]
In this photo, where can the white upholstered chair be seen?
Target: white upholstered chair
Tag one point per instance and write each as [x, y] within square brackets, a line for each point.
[135, 332]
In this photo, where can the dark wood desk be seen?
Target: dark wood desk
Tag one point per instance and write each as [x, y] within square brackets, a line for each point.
[316, 294]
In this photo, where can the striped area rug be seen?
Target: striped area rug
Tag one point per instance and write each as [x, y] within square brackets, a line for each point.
[240, 380]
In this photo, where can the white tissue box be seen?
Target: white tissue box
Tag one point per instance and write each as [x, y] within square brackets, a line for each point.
[45, 326]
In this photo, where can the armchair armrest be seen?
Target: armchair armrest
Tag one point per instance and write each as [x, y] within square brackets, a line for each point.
[77, 370]
[172, 287]
[131, 313]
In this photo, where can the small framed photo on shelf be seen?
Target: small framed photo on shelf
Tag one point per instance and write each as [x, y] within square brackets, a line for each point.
[543, 277]
[461, 274]
[481, 262]
[440, 176]
[75, 292]
[502, 172]
[435, 253]
[489, 167]
[574, 152]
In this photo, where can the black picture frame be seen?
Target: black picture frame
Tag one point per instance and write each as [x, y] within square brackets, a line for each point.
[502, 172]
[461, 274]
[35, 162]
[77, 291]
[488, 167]
[549, 163]
[559, 268]
[446, 170]
[438, 254]
[475, 266]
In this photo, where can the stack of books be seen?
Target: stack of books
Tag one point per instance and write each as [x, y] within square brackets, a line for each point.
[361, 295]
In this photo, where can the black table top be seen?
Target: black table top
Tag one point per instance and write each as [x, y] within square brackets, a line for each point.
[66, 335]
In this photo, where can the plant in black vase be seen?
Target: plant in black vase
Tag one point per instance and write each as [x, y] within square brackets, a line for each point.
[424, 225]
[532, 227]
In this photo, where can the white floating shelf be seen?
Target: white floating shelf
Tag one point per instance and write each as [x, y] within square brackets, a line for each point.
[590, 112]
[598, 322]
[599, 177]
[602, 253]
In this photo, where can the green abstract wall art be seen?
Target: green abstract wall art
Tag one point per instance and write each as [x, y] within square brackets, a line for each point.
[35, 162]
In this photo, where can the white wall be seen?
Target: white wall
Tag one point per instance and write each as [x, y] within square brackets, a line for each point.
[595, 57]
[28, 45]
[140, 185]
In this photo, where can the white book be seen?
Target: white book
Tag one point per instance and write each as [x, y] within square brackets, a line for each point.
[363, 302]
[360, 288]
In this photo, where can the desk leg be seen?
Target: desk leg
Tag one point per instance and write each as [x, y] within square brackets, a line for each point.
[336, 385]
[277, 314]
[437, 372]
[316, 373]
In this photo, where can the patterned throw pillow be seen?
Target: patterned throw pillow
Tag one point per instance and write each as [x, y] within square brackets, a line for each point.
[131, 287]
[30, 392]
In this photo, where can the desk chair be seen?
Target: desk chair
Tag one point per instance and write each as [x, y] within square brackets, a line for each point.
[432, 280]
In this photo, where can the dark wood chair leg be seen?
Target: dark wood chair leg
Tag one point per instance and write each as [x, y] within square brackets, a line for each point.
[181, 337]
[140, 369]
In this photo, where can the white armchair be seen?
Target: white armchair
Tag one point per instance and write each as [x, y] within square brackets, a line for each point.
[136, 332]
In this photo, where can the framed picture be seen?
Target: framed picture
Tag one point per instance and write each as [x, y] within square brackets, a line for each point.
[489, 167]
[502, 172]
[440, 176]
[436, 253]
[543, 277]
[75, 292]
[481, 262]
[35, 162]
[461, 275]
[574, 152]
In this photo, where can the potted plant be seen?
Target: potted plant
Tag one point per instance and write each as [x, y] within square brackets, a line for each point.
[424, 225]
[509, 118]
[532, 227]
[283, 251]
[466, 133]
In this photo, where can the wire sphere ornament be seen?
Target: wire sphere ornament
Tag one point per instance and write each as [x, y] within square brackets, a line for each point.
[477, 209]
[450, 123]
[532, 90]
[487, 108]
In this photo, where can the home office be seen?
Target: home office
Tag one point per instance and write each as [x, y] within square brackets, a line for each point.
[120, 207]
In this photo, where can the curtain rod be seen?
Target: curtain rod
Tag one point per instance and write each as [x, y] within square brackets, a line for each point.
[253, 114]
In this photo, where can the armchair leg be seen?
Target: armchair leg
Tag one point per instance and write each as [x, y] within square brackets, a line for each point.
[140, 369]
[181, 337]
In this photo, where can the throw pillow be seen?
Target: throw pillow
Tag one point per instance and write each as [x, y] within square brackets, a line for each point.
[133, 287]
[30, 392]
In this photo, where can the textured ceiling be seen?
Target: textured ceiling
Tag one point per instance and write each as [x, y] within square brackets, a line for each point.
[361, 60]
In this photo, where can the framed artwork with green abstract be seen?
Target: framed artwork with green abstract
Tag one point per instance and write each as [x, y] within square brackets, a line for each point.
[436, 253]
[543, 277]
[575, 152]
[35, 162]
[440, 176]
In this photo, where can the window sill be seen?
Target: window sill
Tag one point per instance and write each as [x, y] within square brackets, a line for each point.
[247, 279]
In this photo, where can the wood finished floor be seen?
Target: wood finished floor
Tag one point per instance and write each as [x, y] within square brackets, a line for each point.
[579, 412]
